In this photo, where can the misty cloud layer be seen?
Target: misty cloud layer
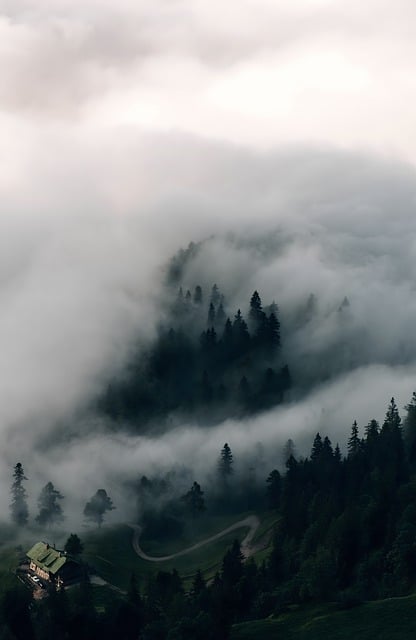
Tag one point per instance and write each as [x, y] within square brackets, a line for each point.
[278, 134]
[78, 291]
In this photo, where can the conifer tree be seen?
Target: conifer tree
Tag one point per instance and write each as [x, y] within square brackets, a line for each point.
[194, 500]
[317, 447]
[337, 454]
[256, 309]
[18, 505]
[220, 317]
[225, 463]
[354, 442]
[215, 295]
[73, 545]
[211, 315]
[198, 295]
[410, 430]
[50, 511]
[273, 332]
[274, 488]
[288, 450]
[392, 421]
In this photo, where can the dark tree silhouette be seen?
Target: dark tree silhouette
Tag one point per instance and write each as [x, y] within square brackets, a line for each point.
[96, 508]
[225, 463]
[194, 500]
[50, 511]
[18, 505]
[211, 316]
[198, 295]
[73, 545]
[274, 488]
[354, 442]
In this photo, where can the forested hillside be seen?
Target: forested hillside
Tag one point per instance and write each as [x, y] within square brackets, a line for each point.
[209, 362]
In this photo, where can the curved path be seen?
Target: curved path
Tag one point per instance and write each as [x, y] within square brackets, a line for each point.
[252, 522]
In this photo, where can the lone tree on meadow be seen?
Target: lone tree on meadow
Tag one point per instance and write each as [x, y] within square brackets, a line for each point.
[50, 511]
[18, 505]
[99, 504]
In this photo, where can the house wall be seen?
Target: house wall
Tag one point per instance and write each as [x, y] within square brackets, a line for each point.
[40, 572]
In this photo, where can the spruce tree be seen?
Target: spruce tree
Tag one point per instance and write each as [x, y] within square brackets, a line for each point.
[18, 505]
[198, 295]
[225, 463]
[194, 500]
[211, 316]
[50, 511]
[317, 448]
[410, 430]
[73, 545]
[354, 442]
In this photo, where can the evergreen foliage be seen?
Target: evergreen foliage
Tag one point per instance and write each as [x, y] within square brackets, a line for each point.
[194, 500]
[225, 463]
[18, 506]
[50, 511]
[73, 546]
[345, 531]
[203, 349]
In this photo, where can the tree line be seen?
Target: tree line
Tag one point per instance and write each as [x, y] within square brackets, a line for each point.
[345, 531]
[50, 510]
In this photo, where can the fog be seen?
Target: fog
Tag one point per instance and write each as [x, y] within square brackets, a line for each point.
[281, 139]
[79, 291]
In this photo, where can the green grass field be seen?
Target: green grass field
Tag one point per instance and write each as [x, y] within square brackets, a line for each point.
[392, 619]
[110, 551]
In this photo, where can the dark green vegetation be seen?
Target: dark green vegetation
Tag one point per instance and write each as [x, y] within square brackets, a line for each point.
[208, 362]
[342, 561]
[391, 619]
[50, 509]
[110, 552]
[18, 505]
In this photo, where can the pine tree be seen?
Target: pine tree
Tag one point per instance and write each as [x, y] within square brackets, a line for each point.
[337, 454]
[221, 317]
[194, 500]
[354, 442]
[256, 309]
[225, 463]
[372, 431]
[274, 489]
[198, 295]
[215, 295]
[18, 506]
[392, 420]
[410, 430]
[317, 448]
[211, 316]
[50, 511]
[289, 450]
[241, 336]
[73, 545]
[273, 332]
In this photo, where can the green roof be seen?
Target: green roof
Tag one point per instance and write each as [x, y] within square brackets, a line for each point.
[46, 557]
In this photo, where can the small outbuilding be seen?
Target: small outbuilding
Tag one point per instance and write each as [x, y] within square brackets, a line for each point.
[54, 566]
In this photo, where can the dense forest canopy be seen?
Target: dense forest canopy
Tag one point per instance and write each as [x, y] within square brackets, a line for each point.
[209, 362]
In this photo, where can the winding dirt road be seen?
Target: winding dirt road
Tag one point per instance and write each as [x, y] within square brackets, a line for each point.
[252, 522]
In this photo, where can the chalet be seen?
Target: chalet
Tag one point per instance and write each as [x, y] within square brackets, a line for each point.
[54, 566]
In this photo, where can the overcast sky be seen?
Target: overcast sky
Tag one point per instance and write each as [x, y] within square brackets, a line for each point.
[260, 73]
[130, 128]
